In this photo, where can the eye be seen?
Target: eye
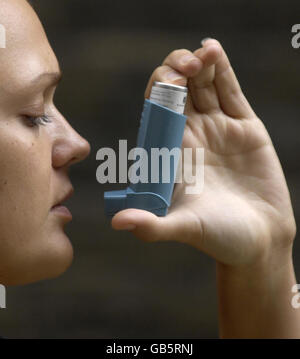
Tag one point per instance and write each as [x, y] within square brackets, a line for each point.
[34, 121]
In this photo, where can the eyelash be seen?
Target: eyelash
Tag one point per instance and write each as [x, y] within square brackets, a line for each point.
[39, 120]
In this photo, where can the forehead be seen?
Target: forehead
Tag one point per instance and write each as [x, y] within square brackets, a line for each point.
[27, 53]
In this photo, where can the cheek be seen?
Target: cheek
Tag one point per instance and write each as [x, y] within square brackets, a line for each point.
[25, 195]
[32, 243]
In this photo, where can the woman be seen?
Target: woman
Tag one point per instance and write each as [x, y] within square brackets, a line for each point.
[243, 218]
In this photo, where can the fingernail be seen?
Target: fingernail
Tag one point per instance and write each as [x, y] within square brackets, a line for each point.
[128, 227]
[205, 39]
[187, 58]
[172, 75]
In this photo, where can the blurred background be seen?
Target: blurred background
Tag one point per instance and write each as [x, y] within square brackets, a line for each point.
[118, 286]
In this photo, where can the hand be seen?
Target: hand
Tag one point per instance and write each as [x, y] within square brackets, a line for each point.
[244, 213]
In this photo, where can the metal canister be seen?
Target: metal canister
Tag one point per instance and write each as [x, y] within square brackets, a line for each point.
[169, 95]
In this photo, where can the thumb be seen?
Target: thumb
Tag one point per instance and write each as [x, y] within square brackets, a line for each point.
[150, 228]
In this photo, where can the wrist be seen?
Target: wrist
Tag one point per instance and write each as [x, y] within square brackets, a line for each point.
[255, 301]
[276, 265]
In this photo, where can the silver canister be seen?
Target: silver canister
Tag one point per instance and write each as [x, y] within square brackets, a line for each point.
[169, 95]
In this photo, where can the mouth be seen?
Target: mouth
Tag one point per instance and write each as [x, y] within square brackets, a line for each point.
[60, 209]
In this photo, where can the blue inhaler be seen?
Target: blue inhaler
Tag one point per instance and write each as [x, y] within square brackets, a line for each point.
[161, 128]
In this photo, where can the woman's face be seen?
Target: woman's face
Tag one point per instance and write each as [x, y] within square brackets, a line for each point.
[34, 157]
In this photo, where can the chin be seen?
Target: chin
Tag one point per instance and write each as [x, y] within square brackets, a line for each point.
[59, 259]
[47, 262]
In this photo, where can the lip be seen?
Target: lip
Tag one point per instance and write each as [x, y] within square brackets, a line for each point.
[65, 197]
[62, 211]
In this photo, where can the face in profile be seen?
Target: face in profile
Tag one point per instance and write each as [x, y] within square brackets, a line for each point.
[37, 146]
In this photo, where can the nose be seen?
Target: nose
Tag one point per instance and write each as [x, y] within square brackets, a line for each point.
[68, 146]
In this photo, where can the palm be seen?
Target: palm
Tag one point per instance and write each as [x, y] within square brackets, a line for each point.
[244, 188]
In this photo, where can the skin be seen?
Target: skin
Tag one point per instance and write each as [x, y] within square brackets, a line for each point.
[34, 160]
[243, 218]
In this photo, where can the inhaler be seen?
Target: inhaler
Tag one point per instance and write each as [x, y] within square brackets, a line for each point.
[161, 127]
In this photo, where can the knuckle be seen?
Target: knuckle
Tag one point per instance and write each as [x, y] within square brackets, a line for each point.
[160, 69]
[290, 230]
[180, 52]
[159, 72]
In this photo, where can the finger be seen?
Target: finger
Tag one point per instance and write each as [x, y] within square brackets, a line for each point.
[166, 74]
[151, 228]
[183, 61]
[202, 87]
[231, 97]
